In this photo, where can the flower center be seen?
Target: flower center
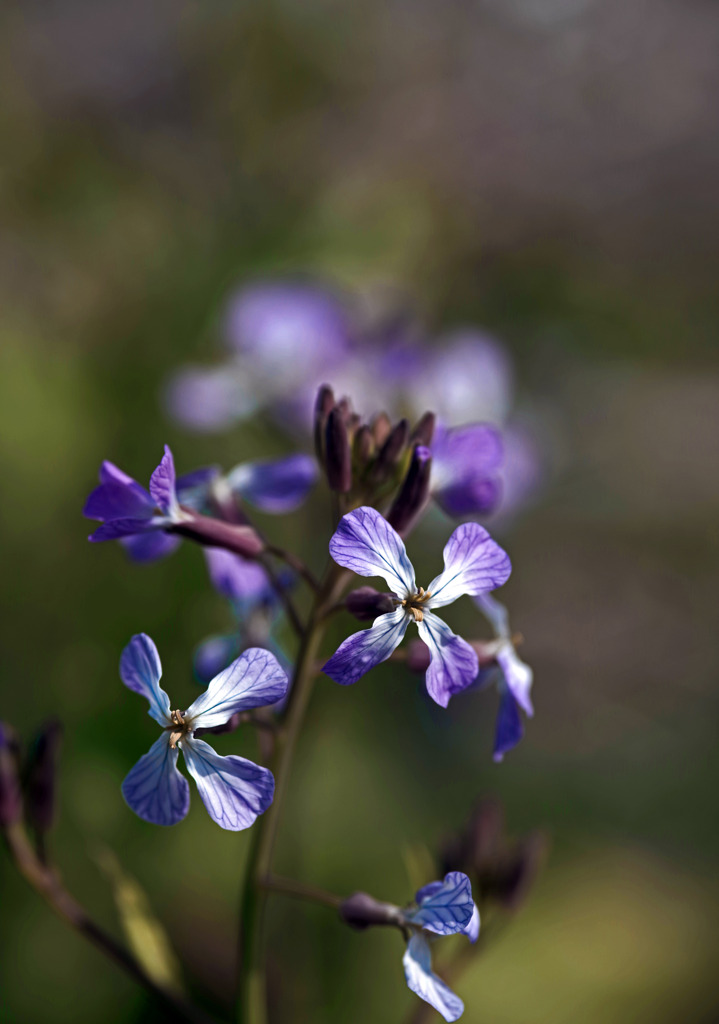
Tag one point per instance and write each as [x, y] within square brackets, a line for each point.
[179, 728]
[415, 604]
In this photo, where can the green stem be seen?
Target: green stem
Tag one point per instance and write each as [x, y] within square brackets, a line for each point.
[252, 994]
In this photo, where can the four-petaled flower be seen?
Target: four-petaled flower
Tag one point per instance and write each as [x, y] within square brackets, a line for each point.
[473, 564]
[234, 790]
[515, 679]
[443, 908]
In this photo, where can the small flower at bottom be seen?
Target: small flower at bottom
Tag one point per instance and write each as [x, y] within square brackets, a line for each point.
[473, 564]
[234, 790]
[443, 908]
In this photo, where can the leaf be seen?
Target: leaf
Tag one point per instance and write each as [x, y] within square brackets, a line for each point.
[145, 935]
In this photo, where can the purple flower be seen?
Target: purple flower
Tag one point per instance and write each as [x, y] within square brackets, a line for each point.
[473, 564]
[126, 509]
[466, 465]
[515, 680]
[255, 605]
[272, 485]
[234, 790]
[210, 398]
[443, 908]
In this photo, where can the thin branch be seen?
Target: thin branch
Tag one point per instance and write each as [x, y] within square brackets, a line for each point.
[299, 890]
[297, 565]
[47, 884]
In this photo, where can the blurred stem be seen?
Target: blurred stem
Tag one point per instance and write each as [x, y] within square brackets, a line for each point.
[47, 884]
[298, 565]
[301, 891]
[252, 987]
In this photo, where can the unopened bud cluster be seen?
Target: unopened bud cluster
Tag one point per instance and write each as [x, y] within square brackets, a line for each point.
[377, 461]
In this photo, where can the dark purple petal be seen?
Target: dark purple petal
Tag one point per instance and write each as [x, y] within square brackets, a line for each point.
[473, 496]
[118, 497]
[365, 543]
[154, 789]
[509, 729]
[473, 563]
[362, 651]
[150, 546]
[140, 671]
[255, 680]
[162, 484]
[454, 664]
[215, 654]
[234, 791]
[118, 528]
[446, 907]
[417, 962]
[278, 485]
[236, 578]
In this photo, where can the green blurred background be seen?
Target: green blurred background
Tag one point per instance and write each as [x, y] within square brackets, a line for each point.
[543, 168]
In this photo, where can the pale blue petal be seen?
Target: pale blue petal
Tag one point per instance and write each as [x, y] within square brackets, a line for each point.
[149, 547]
[214, 654]
[472, 929]
[140, 670]
[495, 612]
[368, 545]
[362, 651]
[518, 677]
[453, 662]
[154, 789]
[254, 680]
[417, 962]
[473, 564]
[278, 485]
[445, 908]
[234, 791]
[238, 579]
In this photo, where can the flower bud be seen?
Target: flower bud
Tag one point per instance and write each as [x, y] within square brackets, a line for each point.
[361, 911]
[423, 431]
[391, 452]
[338, 456]
[214, 533]
[366, 603]
[381, 426]
[323, 405]
[10, 795]
[414, 492]
[41, 776]
[362, 446]
[511, 885]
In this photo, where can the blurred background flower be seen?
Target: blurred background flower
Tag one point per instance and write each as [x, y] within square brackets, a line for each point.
[539, 177]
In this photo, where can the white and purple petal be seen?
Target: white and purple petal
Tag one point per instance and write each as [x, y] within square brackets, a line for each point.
[154, 789]
[472, 929]
[509, 729]
[518, 677]
[140, 671]
[277, 485]
[234, 790]
[473, 564]
[417, 962]
[453, 665]
[256, 679]
[362, 651]
[445, 907]
[365, 543]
